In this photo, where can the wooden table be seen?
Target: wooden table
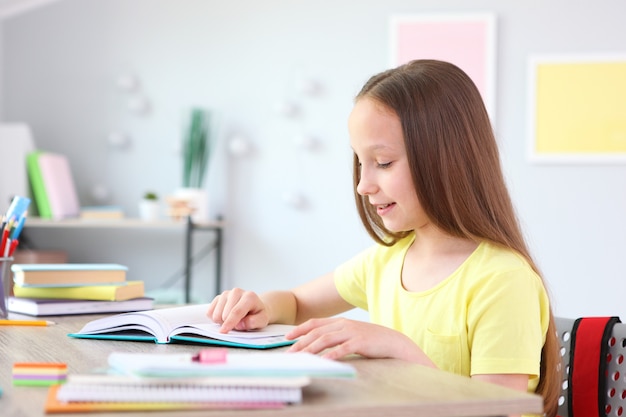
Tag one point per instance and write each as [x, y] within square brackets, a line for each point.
[384, 387]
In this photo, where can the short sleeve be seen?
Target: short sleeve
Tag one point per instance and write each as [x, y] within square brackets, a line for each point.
[351, 279]
[508, 317]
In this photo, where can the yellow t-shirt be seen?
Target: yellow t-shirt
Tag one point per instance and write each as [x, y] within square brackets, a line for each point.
[488, 317]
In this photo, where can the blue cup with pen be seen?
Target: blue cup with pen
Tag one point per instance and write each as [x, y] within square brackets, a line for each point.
[10, 229]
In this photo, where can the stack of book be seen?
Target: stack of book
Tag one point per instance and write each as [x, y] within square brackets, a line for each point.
[72, 288]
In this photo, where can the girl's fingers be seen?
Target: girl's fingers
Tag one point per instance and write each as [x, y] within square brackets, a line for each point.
[251, 321]
[307, 327]
[216, 309]
[220, 308]
[231, 301]
[243, 311]
[315, 336]
[238, 309]
[211, 309]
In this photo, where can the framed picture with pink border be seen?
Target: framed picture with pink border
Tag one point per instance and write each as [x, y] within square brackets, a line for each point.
[468, 40]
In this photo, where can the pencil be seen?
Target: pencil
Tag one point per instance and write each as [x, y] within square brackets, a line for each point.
[4, 322]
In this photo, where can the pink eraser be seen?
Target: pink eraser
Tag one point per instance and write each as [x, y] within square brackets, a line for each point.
[217, 355]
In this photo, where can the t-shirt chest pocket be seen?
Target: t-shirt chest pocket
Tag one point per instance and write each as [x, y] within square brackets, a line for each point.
[444, 349]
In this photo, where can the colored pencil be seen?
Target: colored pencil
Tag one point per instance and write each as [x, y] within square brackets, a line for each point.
[5, 322]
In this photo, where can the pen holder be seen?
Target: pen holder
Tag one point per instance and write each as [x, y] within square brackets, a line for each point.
[6, 287]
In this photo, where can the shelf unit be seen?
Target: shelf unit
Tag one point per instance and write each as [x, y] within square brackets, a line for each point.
[187, 225]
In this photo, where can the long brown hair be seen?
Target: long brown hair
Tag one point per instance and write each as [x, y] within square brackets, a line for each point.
[455, 164]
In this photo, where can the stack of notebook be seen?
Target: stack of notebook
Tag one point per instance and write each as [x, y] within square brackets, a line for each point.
[86, 393]
[57, 289]
[143, 382]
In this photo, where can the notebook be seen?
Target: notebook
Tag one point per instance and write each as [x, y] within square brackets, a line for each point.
[120, 291]
[59, 307]
[54, 406]
[254, 364]
[67, 274]
[109, 391]
[38, 186]
[53, 186]
[59, 183]
[284, 390]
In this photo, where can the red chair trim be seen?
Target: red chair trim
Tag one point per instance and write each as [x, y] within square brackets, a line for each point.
[588, 365]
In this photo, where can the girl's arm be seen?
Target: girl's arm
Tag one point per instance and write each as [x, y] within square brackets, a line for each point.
[318, 298]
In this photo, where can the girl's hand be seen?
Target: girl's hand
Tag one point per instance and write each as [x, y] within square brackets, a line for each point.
[238, 309]
[339, 337]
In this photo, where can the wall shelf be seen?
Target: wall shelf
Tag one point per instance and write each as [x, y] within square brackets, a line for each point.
[186, 225]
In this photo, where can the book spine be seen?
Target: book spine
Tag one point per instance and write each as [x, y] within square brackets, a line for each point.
[38, 185]
[68, 277]
[131, 289]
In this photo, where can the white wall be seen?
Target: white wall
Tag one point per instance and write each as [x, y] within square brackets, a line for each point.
[1, 70]
[239, 59]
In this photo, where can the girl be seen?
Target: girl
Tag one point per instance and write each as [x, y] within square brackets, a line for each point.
[451, 283]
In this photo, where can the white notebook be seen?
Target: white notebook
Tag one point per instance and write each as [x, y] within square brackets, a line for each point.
[254, 364]
[108, 391]
[291, 392]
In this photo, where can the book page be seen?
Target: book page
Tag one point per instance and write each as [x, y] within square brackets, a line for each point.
[141, 321]
[192, 319]
[174, 317]
[159, 322]
[274, 333]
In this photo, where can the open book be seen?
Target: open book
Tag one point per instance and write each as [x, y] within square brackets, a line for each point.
[181, 324]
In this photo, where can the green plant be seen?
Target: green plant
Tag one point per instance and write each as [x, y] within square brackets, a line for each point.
[196, 149]
[149, 195]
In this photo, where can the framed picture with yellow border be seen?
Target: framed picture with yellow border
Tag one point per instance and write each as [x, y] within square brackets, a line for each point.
[577, 109]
